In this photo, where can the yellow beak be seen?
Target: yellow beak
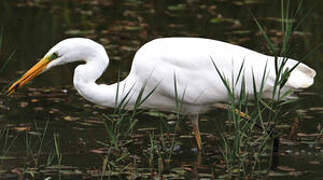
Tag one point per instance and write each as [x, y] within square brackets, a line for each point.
[29, 75]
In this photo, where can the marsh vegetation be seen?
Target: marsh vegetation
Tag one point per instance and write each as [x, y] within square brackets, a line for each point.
[48, 131]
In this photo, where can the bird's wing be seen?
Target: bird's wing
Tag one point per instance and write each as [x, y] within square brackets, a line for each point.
[191, 62]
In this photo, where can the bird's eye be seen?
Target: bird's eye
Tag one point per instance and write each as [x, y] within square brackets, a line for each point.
[53, 56]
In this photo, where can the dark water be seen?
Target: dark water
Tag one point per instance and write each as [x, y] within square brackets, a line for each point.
[31, 28]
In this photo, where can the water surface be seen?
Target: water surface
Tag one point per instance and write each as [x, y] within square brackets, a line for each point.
[31, 28]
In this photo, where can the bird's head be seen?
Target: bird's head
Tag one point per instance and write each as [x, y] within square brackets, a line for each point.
[66, 51]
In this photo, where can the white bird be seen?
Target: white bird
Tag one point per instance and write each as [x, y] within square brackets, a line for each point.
[159, 65]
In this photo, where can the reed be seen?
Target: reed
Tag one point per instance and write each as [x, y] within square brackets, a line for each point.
[247, 147]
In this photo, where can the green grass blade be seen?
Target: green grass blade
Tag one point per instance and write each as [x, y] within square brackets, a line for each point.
[282, 16]
[266, 105]
[286, 94]
[176, 92]
[222, 76]
[257, 100]
[117, 92]
[240, 71]
[7, 62]
[299, 7]
[131, 126]
[270, 45]
[304, 18]
[125, 99]
[262, 82]
[149, 94]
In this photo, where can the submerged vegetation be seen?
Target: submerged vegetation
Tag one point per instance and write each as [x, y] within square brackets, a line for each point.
[50, 133]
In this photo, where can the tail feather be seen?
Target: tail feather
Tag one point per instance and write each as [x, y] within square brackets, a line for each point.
[301, 77]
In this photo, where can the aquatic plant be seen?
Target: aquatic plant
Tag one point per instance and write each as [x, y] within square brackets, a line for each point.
[244, 150]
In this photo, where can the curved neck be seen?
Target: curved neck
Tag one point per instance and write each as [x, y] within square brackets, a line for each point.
[85, 77]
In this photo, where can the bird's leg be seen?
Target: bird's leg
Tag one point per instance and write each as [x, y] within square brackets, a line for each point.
[195, 123]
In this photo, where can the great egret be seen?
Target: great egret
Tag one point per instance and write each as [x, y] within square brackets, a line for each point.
[155, 66]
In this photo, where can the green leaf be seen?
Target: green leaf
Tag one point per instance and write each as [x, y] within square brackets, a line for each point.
[270, 45]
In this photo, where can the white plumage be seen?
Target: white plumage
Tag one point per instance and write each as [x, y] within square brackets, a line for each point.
[157, 63]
